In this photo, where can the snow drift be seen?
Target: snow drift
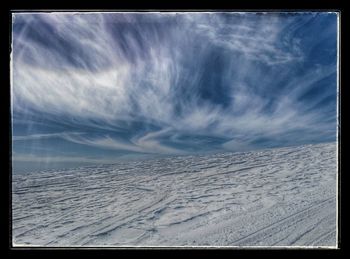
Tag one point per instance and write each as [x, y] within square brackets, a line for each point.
[272, 197]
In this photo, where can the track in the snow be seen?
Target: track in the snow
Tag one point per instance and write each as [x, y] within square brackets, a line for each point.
[274, 197]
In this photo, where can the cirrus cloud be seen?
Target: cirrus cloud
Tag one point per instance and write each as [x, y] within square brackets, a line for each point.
[165, 83]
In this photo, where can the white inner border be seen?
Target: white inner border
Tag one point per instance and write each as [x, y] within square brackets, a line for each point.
[338, 13]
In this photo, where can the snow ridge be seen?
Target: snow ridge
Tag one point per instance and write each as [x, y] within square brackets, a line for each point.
[272, 197]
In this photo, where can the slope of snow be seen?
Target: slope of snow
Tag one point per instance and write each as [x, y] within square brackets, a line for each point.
[273, 197]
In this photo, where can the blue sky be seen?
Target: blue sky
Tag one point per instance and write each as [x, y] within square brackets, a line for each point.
[100, 87]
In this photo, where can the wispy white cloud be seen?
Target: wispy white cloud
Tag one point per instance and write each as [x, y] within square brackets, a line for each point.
[151, 68]
[142, 144]
[257, 38]
[43, 136]
[150, 143]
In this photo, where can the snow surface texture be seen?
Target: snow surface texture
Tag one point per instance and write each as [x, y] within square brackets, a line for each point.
[273, 197]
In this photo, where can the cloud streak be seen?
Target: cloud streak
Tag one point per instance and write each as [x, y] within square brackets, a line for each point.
[171, 83]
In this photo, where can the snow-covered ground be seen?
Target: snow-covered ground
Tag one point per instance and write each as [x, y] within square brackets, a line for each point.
[273, 197]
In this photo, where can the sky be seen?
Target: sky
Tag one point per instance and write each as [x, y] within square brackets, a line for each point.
[91, 88]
